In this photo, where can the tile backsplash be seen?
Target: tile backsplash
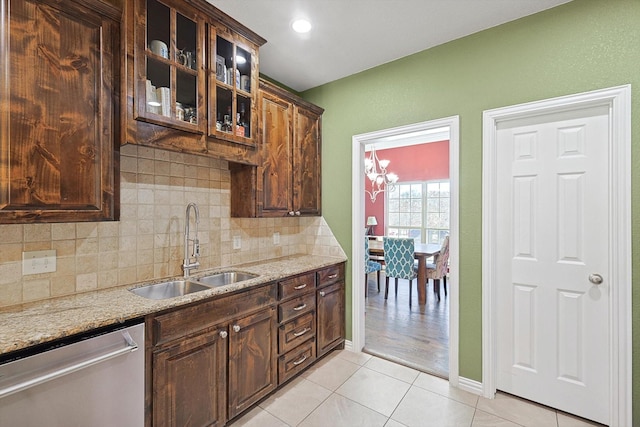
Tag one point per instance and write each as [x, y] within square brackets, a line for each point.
[147, 242]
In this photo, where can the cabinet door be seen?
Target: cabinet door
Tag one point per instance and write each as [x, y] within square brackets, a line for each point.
[189, 381]
[330, 317]
[59, 70]
[306, 162]
[276, 150]
[252, 359]
[170, 80]
[233, 85]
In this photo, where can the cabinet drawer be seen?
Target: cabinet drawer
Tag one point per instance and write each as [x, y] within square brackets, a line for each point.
[296, 307]
[184, 321]
[292, 333]
[330, 274]
[296, 286]
[296, 360]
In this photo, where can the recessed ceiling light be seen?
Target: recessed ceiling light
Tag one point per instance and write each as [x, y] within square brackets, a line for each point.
[301, 26]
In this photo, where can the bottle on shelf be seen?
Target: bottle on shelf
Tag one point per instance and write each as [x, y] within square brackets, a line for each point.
[243, 120]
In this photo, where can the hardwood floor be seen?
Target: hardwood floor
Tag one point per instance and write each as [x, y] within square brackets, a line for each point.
[417, 337]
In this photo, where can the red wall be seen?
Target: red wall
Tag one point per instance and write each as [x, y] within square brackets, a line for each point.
[421, 162]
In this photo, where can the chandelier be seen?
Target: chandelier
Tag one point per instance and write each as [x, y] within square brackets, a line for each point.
[376, 170]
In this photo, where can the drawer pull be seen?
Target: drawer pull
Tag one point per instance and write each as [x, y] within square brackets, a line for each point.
[302, 332]
[297, 362]
[300, 307]
[333, 276]
[297, 288]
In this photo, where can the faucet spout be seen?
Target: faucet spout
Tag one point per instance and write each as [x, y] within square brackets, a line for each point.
[191, 261]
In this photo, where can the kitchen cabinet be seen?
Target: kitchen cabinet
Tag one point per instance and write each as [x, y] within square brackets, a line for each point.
[189, 380]
[193, 348]
[233, 86]
[59, 73]
[169, 53]
[177, 96]
[210, 361]
[252, 359]
[297, 325]
[290, 150]
[331, 308]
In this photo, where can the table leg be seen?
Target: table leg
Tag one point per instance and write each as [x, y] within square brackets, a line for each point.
[422, 280]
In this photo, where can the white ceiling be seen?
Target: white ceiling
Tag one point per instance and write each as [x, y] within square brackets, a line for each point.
[349, 36]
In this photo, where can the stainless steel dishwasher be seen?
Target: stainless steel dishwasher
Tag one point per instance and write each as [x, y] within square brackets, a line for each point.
[91, 381]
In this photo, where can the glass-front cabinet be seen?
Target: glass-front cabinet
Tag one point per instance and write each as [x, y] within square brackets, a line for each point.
[170, 65]
[233, 86]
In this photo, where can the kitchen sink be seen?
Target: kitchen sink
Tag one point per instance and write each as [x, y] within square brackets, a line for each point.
[173, 288]
[226, 278]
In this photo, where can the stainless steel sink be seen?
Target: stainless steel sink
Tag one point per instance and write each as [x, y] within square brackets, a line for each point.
[226, 278]
[173, 288]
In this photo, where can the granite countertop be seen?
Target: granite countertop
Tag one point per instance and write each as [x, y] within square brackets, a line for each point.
[25, 325]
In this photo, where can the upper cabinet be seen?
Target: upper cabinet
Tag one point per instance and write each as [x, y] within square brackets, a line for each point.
[59, 87]
[233, 82]
[192, 78]
[170, 81]
[290, 148]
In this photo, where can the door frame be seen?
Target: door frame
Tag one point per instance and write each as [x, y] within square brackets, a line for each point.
[357, 205]
[618, 100]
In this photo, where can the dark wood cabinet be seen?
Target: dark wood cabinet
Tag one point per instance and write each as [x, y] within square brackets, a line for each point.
[253, 372]
[59, 74]
[297, 325]
[210, 361]
[213, 359]
[331, 308]
[190, 379]
[177, 95]
[290, 151]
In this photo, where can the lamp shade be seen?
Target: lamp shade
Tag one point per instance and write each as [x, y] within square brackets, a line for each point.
[372, 220]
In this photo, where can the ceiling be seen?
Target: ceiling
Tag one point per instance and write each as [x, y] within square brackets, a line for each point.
[349, 36]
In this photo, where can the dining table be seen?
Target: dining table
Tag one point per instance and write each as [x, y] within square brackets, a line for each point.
[422, 251]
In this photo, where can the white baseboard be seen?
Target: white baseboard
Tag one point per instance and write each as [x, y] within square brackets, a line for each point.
[472, 386]
[348, 345]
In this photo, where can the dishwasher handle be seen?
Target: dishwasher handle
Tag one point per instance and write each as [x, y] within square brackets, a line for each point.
[131, 345]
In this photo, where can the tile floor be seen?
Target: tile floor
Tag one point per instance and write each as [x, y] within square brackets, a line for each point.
[355, 389]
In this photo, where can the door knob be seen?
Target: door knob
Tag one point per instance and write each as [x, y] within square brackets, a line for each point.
[595, 278]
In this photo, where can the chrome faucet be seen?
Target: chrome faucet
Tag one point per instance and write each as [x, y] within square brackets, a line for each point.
[187, 264]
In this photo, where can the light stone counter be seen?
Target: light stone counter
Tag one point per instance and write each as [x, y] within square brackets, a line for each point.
[25, 325]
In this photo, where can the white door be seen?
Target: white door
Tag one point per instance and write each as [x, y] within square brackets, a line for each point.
[552, 247]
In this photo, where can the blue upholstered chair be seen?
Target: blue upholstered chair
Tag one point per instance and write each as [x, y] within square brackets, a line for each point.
[399, 262]
[369, 266]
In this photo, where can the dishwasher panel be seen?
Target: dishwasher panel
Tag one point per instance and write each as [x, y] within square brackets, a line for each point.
[98, 381]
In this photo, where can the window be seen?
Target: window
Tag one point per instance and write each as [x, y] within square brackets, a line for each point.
[419, 210]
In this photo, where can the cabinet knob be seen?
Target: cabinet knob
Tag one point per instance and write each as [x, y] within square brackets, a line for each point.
[297, 213]
[223, 334]
[291, 213]
[236, 328]
[322, 293]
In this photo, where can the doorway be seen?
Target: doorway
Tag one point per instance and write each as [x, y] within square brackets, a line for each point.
[386, 138]
[556, 270]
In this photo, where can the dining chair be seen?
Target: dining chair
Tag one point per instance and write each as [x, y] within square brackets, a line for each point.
[399, 262]
[438, 270]
[369, 266]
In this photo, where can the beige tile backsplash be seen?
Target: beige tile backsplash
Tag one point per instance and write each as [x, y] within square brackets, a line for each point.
[147, 242]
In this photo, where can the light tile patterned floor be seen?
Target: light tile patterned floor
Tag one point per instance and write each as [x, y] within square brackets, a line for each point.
[355, 389]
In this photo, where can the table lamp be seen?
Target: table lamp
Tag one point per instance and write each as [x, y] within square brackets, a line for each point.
[371, 223]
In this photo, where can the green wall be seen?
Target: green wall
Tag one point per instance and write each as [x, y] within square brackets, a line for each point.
[577, 47]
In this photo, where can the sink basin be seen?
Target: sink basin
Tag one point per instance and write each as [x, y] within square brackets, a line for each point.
[174, 288]
[226, 278]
